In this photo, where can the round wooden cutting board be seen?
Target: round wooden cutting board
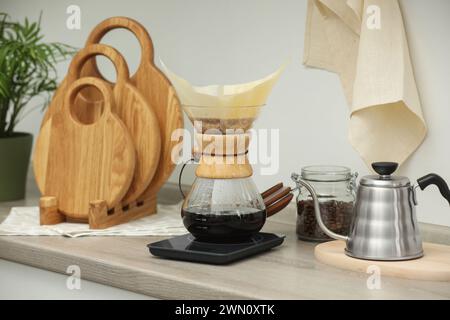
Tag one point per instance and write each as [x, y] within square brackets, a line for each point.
[79, 163]
[130, 105]
[156, 89]
[434, 265]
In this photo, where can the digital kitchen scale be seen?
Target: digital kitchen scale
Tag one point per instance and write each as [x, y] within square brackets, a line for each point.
[187, 248]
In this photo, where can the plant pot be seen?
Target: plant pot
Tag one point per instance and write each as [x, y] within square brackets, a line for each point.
[14, 162]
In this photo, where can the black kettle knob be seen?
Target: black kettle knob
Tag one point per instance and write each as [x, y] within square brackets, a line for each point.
[385, 168]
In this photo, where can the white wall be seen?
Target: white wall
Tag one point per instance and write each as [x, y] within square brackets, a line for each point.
[213, 41]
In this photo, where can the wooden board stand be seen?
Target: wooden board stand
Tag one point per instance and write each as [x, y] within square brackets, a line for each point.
[99, 216]
[58, 203]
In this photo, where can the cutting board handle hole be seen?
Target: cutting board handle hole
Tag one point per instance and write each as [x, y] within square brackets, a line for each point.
[110, 211]
[92, 107]
[129, 47]
[125, 208]
[106, 68]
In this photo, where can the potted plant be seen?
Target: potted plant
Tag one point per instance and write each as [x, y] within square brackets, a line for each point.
[27, 71]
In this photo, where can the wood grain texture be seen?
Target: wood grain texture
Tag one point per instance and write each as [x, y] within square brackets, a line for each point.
[125, 262]
[223, 156]
[130, 105]
[288, 272]
[433, 266]
[276, 198]
[224, 167]
[49, 214]
[79, 163]
[100, 217]
[156, 89]
[279, 205]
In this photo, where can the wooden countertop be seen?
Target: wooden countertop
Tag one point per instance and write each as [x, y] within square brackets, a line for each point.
[287, 272]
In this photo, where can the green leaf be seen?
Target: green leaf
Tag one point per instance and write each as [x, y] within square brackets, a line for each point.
[27, 68]
[4, 86]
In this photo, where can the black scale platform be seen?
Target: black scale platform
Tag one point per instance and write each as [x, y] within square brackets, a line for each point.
[187, 248]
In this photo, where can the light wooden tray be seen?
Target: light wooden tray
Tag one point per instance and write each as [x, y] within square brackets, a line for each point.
[434, 265]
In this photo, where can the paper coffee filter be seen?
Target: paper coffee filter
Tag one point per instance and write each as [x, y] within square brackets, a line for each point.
[236, 101]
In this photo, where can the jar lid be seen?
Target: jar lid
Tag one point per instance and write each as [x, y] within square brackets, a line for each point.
[326, 173]
[384, 181]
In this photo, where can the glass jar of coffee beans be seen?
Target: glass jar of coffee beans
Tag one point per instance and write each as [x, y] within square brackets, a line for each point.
[335, 188]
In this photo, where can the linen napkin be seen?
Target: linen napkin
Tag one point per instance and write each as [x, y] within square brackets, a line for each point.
[24, 221]
[364, 42]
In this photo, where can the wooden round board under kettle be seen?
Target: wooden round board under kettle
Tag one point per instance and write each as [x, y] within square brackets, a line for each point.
[79, 163]
[433, 266]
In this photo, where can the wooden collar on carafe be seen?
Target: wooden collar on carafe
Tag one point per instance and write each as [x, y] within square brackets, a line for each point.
[223, 156]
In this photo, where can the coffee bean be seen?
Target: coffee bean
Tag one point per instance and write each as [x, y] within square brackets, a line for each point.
[336, 215]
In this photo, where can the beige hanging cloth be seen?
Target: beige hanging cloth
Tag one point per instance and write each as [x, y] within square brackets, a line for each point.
[364, 42]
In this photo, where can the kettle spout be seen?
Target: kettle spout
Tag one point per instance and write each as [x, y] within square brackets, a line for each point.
[437, 180]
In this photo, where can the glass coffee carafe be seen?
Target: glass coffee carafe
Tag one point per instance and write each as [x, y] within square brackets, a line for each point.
[223, 204]
[223, 209]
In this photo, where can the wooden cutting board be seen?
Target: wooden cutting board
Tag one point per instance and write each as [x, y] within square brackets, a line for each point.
[130, 105]
[156, 89]
[434, 265]
[80, 163]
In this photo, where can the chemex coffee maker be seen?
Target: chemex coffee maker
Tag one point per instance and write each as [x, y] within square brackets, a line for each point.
[384, 225]
[224, 211]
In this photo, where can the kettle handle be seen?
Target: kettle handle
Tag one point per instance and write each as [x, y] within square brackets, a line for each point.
[296, 178]
[437, 180]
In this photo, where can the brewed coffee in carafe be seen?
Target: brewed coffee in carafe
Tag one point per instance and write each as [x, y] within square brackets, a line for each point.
[223, 210]
[224, 204]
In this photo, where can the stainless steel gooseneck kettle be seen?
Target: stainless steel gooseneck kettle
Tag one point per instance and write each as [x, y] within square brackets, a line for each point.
[384, 225]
